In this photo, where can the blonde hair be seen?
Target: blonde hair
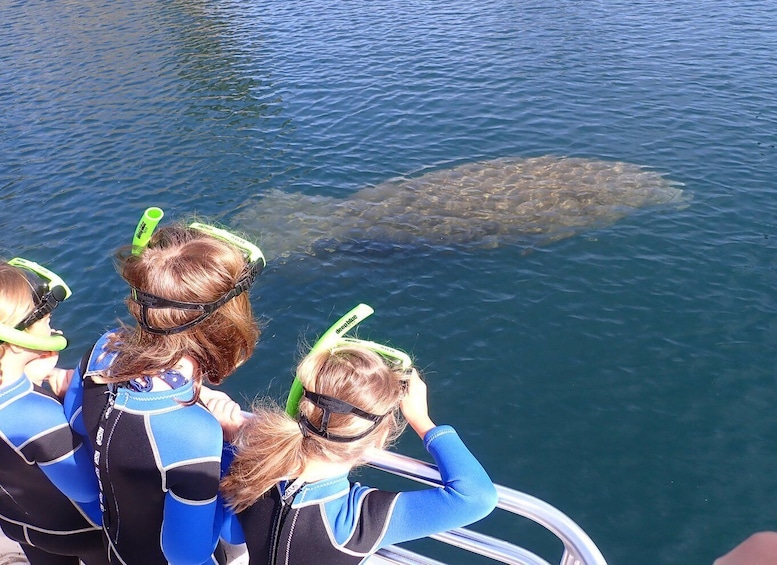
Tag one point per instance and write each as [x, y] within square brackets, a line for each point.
[272, 447]
[185, 265]
[16, 300]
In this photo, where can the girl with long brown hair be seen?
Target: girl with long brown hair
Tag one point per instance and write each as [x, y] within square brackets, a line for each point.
[137, 395]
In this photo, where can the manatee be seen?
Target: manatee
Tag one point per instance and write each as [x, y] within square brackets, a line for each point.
[485, 204]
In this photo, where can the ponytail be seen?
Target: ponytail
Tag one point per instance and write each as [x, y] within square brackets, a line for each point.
[269, 450]
[273, 447]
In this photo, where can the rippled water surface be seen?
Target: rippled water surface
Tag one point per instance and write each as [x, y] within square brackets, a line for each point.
[625, 375]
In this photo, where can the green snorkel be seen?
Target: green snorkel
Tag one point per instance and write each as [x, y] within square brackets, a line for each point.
[328, 339]
[152, 216]
[145, 229]
[335, 336]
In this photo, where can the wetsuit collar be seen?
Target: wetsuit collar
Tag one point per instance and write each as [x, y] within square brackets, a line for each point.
[318, 492]
[15, 389]
[133, 401]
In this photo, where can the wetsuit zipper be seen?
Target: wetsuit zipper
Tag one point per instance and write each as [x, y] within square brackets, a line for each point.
[286, 501]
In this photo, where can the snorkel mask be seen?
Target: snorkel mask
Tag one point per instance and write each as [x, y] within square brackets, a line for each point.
[255, 263]
[48, 291]
[335, 337]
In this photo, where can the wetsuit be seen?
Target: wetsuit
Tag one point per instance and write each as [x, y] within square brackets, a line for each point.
[335, 522]
[42, 463]
[158, 462]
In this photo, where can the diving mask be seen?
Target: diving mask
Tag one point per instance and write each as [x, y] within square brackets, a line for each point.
[48, 291]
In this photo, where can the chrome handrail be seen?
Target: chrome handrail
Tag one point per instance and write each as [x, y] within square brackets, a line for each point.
[579, 549]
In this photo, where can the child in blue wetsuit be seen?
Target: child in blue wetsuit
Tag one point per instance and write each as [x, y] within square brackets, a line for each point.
[288, 483]
[139, 394]
[48, 490]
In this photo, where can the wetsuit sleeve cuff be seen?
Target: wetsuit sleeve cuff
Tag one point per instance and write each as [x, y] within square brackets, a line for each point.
[437, 433]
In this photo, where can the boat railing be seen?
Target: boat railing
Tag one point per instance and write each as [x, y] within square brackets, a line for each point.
[579, 549]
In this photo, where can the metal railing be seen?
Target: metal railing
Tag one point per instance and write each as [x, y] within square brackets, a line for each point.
[579, 549]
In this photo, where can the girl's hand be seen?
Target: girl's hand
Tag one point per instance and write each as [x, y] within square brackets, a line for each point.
[226, 411]
[414, 406]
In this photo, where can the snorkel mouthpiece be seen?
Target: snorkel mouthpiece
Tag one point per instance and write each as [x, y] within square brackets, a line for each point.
[145, 229]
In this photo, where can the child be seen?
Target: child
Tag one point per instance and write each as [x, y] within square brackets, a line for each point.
[288, 482]
[42, 461]
[157, 449]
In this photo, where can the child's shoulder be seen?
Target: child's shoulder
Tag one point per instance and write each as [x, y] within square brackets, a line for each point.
[190, 429]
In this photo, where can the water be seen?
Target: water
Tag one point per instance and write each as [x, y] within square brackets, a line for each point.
[625, 375]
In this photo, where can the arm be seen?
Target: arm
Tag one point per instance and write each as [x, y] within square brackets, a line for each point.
[73, 473]
[231, 530]
[190, 530]
[44, 438]
[467, 494]
[190, 449]
[75, 477]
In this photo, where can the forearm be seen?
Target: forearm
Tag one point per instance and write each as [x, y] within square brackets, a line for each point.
[467, 493]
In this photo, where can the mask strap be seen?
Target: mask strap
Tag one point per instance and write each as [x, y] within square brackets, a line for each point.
[330, 405]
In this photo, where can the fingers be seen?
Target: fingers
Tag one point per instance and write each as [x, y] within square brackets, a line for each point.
[59, 381]
[225, 410]
[414, 405]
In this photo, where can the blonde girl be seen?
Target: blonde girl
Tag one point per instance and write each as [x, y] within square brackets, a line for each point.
[48, 491]
[288, 484]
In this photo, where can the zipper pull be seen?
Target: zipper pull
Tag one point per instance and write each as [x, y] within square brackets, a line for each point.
[291, 490]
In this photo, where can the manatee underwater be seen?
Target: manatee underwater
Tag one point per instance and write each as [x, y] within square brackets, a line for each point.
[533, 200]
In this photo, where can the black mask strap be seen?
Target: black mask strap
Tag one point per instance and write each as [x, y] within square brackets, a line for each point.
[329, 406]
[146, 300]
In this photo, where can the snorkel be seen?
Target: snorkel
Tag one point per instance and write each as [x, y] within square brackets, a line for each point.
[145, 228]
[335, 336]
[327, 340]
[55, 291]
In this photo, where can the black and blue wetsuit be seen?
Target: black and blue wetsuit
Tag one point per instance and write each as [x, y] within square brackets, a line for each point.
[158, 462]
[44, 468]
[335, 522]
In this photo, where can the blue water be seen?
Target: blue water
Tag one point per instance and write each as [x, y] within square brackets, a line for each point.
[625, 375]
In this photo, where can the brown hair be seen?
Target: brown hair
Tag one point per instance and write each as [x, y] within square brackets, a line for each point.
[16, 299]
[271, 445]
[185, 265]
